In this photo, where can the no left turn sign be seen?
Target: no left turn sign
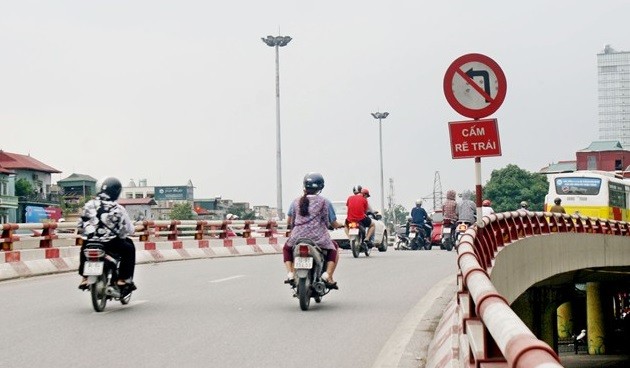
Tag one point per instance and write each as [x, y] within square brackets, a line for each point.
[474, 85]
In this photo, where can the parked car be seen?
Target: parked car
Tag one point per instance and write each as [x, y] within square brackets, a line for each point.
[339, 235]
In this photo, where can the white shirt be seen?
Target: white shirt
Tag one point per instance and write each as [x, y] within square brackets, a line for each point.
[486, 211]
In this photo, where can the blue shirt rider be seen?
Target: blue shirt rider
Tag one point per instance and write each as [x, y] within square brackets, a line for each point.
[420, 217]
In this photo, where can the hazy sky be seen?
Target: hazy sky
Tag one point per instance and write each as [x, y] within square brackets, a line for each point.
[173, 91]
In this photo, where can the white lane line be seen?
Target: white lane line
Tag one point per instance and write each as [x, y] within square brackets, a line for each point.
[228, 278]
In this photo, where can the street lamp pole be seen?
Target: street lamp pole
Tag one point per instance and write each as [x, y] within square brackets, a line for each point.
[277, 42]
[380, 116]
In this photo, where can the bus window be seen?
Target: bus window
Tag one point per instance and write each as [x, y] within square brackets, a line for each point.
[617, 193]
[578, 186]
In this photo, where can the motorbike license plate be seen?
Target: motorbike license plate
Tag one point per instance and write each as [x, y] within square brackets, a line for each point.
[353, 232]
[303, 263]
[447, 230]
[93, 268]
[412, 235]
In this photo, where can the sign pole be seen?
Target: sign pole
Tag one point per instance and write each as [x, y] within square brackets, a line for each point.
[478, 190]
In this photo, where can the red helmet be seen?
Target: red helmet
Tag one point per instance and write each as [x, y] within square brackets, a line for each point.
[365, 192]
[486, 203]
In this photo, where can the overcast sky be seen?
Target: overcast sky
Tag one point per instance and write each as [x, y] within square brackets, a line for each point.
[172, 91]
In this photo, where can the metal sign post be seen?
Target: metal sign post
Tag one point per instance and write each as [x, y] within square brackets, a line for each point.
[475, 86]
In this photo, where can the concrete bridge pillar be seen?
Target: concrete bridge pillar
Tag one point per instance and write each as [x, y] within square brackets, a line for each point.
[537, 308]
[595, 324]
[565, 320]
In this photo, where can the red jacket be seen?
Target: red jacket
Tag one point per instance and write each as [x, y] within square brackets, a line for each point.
[357, 207]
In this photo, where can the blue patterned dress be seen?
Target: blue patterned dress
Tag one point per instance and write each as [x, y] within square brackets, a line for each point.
[313, 226]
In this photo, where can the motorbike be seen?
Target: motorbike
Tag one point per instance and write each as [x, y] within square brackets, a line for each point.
[356, 236]
[460, 229]
[101, 270]
[402, 240]
[309, 262]
[447, 240]
[418, 236]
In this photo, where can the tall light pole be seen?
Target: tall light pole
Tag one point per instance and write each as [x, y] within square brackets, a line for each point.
[277, 42]
[380, 116]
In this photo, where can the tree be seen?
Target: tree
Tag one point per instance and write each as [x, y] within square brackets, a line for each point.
[509, 186]
[23, 188]
[398, 215]
[182, 211]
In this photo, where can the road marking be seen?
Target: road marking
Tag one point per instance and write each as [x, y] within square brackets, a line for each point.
[228, 278]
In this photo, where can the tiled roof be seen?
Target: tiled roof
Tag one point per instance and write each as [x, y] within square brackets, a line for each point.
[136, 201]
[6, 171]
[16, 161]
[599, 146]
[77, 177]
[560, 166]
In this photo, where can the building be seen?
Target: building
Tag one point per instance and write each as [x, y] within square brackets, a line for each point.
[38, 176]
[165, 197]
[599, 155]
[77, 185]
[8, 200]
[603, 156]
[613, 79]
[139, 209]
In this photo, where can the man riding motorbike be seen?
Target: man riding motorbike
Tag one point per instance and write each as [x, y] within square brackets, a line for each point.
[420, 218]
[358, 208]
[105, 221]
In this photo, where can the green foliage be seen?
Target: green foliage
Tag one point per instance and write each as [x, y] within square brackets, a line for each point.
[182, 211]
[243, 214]
[509, 186]
[398, 215]
[23, 188]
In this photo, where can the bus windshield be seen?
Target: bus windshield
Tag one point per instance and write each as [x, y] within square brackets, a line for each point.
[577, 185]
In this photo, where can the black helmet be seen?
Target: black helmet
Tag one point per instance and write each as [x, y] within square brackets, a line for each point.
[109, 186]
[313, 181]
[557, 201]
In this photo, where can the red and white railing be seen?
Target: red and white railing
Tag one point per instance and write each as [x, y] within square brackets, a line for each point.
[490, 332]
[45, 235]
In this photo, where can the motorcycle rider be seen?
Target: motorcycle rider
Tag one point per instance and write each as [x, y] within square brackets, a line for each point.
[310, 216]
[467, 209]
[524, 206]
[105, 221]
[486, 208]
[358, 207]
[449, 209]
[420, 218]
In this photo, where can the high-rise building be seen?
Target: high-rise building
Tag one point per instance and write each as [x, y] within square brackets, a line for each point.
[613, 77]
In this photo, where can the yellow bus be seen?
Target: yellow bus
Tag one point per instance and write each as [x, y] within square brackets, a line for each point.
[591, 193]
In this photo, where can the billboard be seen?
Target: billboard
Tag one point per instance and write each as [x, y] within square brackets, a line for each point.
[41, 214]
[172, 193]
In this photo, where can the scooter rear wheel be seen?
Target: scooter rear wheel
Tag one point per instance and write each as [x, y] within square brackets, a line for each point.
[304, 294]
[354, 245]
[97, 291]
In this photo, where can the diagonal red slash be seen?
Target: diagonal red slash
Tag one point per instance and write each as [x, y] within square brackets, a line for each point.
[471, 82]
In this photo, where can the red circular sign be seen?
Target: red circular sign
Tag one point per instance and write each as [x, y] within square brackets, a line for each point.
[474, 85]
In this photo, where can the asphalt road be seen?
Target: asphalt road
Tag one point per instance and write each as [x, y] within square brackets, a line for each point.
[231, 312]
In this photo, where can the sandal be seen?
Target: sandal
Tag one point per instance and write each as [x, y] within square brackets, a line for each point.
[331, 285]
[84, 284]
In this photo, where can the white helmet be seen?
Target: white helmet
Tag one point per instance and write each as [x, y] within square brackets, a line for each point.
[419, 202]
[229, 216]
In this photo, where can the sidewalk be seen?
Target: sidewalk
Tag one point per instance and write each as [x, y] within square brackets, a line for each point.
[571, 360]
